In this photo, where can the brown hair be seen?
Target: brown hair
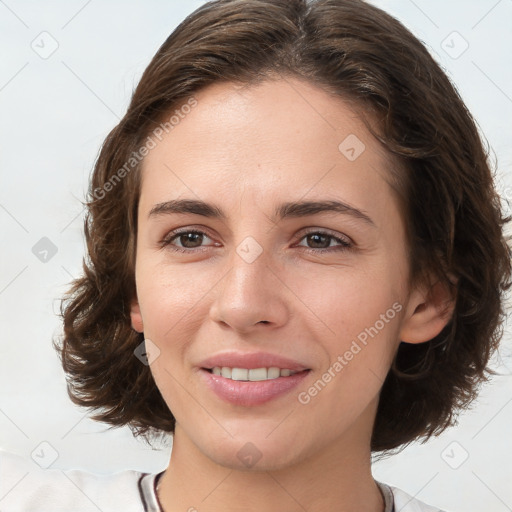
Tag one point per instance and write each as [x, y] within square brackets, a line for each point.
[454, 216]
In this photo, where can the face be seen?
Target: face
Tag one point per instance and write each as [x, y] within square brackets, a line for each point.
[258, 281]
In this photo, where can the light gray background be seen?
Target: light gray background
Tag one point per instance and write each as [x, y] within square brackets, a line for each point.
[56, 111]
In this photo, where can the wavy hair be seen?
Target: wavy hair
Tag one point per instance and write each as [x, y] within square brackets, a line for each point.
[454, 216]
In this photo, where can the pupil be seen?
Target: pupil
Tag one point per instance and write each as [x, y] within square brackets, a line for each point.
[318, 236]
[190, 237]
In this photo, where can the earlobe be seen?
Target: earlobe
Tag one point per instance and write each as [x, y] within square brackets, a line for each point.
[429, 310]
[136, 317]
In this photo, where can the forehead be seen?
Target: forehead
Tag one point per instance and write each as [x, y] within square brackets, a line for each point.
[265, 141]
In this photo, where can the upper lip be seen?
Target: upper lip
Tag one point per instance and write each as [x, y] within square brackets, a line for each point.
[251, 360]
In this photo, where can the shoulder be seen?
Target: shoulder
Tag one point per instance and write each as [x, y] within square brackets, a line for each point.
[26, 487]
[407, 503]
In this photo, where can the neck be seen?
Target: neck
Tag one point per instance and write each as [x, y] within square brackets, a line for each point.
[337, 479]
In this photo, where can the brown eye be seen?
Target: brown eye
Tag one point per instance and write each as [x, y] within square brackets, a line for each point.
[319, 241]
[190, 240]
[187, 240]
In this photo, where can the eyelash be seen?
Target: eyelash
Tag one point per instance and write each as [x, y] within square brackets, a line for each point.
[167, 241]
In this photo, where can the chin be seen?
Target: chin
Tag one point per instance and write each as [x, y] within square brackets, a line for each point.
[246, 452]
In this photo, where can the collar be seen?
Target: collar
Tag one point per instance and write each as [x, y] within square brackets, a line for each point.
[147, 491]
[149, 481]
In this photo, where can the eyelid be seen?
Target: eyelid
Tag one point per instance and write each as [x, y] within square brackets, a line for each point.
[325, 231]
[166, 240]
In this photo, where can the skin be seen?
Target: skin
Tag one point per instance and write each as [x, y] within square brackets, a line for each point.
[249, 149]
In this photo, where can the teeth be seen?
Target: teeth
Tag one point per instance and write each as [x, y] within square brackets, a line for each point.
[239, 374]
[253, 375]
[257, 374]
[273, 373]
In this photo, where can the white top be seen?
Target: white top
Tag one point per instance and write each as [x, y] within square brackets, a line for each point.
[26, 487]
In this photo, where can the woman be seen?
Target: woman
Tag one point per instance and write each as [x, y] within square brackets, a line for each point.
[295, 259]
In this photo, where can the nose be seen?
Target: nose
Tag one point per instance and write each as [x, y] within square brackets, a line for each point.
[250, 296]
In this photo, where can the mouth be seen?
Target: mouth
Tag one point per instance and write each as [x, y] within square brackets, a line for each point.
[251, 378]
[249, 387]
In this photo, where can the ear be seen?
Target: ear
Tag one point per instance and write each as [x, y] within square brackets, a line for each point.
[136, 316]
[429, 309]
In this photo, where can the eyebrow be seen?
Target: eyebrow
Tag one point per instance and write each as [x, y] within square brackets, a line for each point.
[283, 211]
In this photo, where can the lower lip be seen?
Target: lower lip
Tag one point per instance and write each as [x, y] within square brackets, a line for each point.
[247, 393]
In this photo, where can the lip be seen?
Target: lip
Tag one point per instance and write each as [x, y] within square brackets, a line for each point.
[248, 393]
[251, 361]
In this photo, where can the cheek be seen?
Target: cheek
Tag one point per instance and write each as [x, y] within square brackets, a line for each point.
[356, 324]
[359, 357]
[346, 301]
[170, 297]
[333, 304]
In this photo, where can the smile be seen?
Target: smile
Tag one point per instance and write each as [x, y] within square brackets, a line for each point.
[246, 388]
